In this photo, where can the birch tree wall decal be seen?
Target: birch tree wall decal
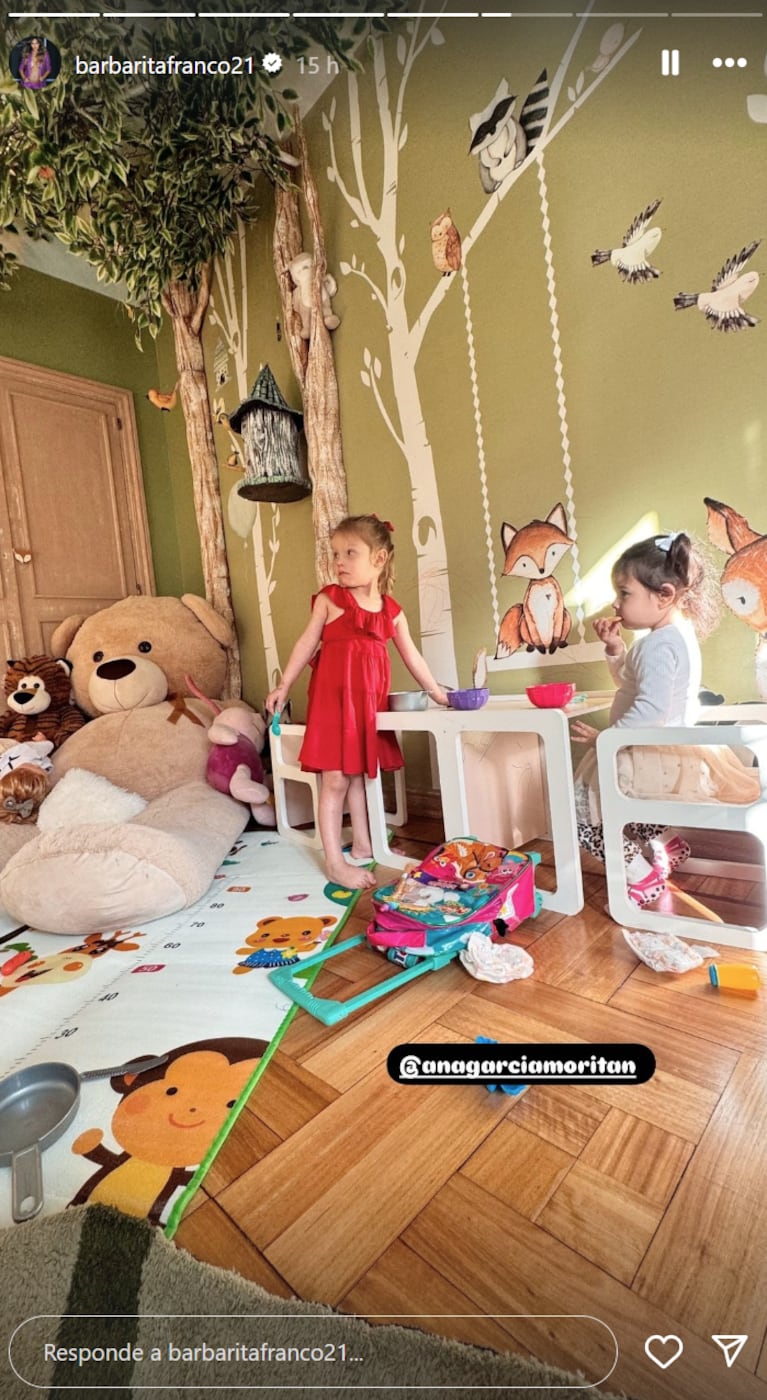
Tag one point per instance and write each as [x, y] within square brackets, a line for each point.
[402, 412]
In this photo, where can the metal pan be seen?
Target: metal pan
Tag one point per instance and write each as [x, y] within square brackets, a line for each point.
[37, 1105]
[408, 700]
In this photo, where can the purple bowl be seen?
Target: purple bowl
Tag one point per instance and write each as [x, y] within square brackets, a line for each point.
[468, 699]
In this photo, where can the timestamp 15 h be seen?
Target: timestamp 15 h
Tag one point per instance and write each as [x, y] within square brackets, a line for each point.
[318, 63]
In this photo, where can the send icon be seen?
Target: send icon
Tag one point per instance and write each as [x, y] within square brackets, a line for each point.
[731, 1346]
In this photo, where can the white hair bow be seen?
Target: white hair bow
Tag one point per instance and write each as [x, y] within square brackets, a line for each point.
[665, 541]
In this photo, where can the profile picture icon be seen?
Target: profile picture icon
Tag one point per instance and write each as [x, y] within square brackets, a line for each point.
[35, 62]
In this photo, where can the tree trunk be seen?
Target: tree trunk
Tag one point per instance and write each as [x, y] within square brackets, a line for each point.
[187, 312]
[287, 243]
[314, 367]
[322, 409]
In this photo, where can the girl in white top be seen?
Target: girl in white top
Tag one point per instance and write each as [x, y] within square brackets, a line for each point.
[664, 587]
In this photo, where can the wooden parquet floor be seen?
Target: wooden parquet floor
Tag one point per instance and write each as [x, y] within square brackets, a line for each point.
[643, 1206]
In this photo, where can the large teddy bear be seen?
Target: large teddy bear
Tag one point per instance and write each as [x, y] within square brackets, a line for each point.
[146, 737]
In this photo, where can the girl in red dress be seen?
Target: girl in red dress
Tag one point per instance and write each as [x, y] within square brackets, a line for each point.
[353, 619]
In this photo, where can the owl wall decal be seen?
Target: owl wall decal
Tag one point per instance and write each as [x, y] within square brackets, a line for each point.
[445, 244]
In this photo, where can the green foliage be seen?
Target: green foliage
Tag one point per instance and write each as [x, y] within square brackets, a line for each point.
[146, 175]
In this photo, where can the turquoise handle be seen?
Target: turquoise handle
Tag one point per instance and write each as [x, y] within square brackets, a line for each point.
[275, 724]
[330, 1012]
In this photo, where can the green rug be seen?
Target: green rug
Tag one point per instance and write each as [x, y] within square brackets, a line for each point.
[195, 1326]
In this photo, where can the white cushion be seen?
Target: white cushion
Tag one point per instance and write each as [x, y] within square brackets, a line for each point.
[81, 798]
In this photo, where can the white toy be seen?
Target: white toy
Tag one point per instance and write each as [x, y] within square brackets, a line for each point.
[301, 271]
[663, 952]
[495, 962]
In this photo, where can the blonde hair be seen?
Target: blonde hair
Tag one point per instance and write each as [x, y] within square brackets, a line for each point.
[21, 792]
[377, 535]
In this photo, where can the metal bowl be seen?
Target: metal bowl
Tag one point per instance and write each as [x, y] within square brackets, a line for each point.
[408, 700]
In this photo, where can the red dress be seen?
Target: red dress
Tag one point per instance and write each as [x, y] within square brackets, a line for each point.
[351, 680]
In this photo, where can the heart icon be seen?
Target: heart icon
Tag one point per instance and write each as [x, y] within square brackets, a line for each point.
[664, 1345]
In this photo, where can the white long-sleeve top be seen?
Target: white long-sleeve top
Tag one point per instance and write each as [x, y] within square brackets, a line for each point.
[658, 679]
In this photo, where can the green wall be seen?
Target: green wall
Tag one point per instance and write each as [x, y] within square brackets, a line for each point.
[660, 409]
[48, 322]
[179, 473]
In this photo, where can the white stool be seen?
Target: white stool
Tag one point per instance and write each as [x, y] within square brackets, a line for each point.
[285, 768]
[618, 810]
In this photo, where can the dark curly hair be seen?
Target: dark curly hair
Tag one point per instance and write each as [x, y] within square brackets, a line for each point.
[681, 560]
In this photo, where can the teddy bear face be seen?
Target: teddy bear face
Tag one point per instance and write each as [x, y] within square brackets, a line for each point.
[34, 683]
[136, 652]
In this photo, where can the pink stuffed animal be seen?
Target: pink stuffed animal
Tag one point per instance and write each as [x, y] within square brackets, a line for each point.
[237, 736]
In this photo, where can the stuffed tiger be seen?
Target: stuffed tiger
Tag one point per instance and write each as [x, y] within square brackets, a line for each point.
[38, 695]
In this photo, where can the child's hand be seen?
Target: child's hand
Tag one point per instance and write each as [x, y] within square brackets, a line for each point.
[439, 695]
[608, 630]
[276, 699]
[584, 733]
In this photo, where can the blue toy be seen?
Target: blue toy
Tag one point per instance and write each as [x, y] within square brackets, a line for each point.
[514, 1089]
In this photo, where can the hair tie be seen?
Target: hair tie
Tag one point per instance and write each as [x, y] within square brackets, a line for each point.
[665, 542]
[386, 523]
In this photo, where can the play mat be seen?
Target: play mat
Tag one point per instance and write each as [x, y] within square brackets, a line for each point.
[193, 987]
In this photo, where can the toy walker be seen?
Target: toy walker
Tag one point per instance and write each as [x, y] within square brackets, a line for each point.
[423, 920]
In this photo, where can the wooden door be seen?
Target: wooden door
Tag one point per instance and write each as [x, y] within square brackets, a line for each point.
[73, 528]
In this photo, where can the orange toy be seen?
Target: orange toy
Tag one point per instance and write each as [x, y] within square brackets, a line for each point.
[735, 977]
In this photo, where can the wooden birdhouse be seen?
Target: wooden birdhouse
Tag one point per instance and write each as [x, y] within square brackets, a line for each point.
[275, 450]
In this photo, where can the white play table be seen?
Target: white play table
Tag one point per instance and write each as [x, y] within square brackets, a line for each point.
[502, 714]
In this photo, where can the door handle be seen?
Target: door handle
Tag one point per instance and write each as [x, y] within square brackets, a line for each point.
[22, 557]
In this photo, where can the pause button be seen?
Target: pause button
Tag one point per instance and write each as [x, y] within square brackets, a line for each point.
[669, 63]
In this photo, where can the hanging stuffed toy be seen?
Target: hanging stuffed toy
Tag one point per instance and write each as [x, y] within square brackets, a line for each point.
[301, 271]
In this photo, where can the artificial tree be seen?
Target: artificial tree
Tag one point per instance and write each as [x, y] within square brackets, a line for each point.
[313, 361]
[146, 174]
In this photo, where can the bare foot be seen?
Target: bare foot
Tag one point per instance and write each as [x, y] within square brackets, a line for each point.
[354, 877]
[361, 852]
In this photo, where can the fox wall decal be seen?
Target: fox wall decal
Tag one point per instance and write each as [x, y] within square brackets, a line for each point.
[541, 621]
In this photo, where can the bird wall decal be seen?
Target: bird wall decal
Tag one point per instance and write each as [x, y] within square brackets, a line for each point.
[165, 402]
[632, 259]
[722, 305]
